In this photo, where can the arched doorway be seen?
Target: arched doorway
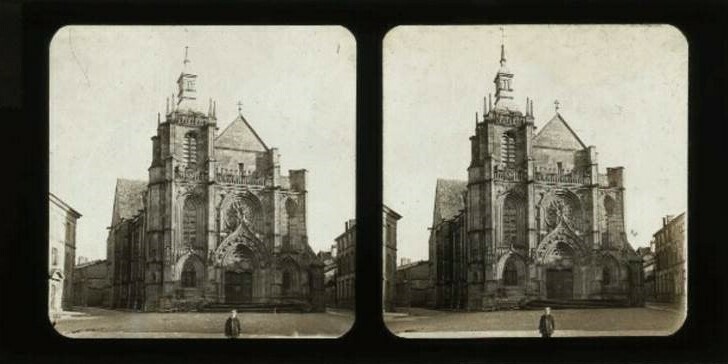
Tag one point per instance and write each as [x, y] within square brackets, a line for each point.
[560, 273]
[239, 276]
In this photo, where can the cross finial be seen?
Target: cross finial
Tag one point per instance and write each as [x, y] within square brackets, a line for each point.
[240, 107]
[556, 105]
[187, 60]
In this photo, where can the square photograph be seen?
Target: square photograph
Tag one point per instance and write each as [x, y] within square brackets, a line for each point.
[541, 175]
[199, 177]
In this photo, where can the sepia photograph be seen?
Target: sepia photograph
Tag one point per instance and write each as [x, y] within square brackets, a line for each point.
[201, 181]
[540, 173]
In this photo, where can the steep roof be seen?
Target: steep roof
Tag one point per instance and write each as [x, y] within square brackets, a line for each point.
[128, 199]
[241, 136]
[558, 134]
[448, 199]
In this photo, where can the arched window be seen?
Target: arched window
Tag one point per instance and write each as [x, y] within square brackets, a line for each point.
[610, 271]
[189, 223]
[510, 274]
[513, 222]
[606, 276]
[189, 275]
[189, 148]
[291, 212]
[508, 150]
[609, 221]
[286, 284]
[54, 256]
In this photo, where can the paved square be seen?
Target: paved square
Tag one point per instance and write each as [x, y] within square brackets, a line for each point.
[101, 323]
[421, 323]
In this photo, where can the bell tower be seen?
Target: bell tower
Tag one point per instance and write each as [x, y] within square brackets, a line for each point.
[503, 82]
[186, 85]
[498, 186]
[179, 210]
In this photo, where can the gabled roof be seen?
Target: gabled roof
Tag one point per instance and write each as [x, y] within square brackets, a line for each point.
[390, 212]
[241, 136]
[448, 199]
[558, 134]
[128, 199]
[53, 198]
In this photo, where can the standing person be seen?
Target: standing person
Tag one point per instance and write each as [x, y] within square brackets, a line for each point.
[547, 325]
[232, 325]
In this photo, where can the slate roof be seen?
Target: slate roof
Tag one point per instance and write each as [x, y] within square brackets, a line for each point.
[128, 199]
[413, 264]
[241, 136]
[448, 199]
[558, 134]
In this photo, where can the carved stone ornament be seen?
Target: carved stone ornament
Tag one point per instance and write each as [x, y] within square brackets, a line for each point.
[552, 247]
[242, 210]
[563, 210]
[242, 247]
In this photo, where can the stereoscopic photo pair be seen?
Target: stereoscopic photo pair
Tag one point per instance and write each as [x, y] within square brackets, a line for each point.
[202, 181]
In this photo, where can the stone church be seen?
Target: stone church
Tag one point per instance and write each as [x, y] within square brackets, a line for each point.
[535, 219]
[217, 223]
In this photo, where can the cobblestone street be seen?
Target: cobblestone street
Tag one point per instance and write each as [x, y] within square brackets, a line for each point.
[420, 323]
[101, 323]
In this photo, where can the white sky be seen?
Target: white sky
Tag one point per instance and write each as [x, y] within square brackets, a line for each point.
[107, 84]
[621, 88]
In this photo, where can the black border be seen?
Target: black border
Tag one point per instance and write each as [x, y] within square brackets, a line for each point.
[26, 335]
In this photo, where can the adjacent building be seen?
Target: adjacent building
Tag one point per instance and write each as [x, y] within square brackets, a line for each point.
[535, 219]
[414, 288]
[91, 285]
[216, 222]
[62, 220]
[330, 272]
[648, 269]
[389, 244]
[346, 266]
[670, 260]
[346, 261]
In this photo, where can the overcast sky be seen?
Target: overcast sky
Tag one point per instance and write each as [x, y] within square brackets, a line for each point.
[621, 88]
[107, 84]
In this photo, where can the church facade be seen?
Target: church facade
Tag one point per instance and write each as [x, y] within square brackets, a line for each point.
[535, 218]
[215, 223]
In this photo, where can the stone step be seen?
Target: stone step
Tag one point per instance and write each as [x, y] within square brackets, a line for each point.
[575, 303]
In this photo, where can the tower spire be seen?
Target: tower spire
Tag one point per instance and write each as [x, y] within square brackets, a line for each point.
[186, 85]
[504, 82]
[503, 48]
[187, 59]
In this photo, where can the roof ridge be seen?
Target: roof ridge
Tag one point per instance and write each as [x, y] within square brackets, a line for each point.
[247, 124]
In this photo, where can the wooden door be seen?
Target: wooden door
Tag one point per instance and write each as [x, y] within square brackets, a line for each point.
[560, 284]
[238, 287]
